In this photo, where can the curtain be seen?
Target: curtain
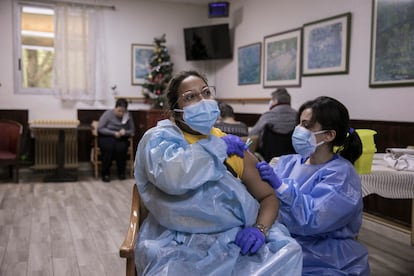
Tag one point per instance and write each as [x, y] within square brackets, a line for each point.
[79, 53]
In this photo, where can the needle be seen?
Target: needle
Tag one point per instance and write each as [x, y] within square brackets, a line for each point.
[248, 143]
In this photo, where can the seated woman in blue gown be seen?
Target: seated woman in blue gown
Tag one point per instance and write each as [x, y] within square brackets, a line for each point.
[209, 213]
[320, 191]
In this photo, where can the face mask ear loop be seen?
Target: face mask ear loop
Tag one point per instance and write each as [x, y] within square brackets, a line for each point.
[320, 132]
[320, 143]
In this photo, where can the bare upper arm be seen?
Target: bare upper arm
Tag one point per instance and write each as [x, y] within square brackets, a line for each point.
[251, 178]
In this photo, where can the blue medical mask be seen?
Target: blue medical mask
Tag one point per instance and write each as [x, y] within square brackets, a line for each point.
[304, 140]
[201, 116]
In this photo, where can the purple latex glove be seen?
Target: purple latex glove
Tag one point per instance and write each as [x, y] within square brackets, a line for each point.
[268, 174]
[249, 239]
[235, 145]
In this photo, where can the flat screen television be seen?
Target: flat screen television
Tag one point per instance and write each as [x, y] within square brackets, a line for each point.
[207, 42]
[218, 9]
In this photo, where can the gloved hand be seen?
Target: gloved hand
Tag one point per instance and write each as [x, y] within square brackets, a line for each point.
[249, 239]
[267, 174]
[235, 145]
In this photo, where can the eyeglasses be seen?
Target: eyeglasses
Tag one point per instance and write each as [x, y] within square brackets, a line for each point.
[195, 96]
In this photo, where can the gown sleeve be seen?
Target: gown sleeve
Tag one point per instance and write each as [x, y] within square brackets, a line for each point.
[325, 201]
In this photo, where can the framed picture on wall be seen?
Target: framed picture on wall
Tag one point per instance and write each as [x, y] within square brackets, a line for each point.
[326, 46]
[392, 50]
[249, 58]
[282, 59]
[140, 62]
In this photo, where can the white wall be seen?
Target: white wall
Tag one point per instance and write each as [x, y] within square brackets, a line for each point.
[133, 21]
[253, 20]
[138, 21]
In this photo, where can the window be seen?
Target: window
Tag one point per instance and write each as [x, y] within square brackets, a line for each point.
[35, 49]
[59, 50]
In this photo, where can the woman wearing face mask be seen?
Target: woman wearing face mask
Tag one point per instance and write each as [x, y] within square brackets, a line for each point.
[201, 219]
[320, 191]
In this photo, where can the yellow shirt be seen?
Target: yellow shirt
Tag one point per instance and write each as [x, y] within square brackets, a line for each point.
[233, 161]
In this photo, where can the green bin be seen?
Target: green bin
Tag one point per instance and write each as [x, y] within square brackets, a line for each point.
[363, 164]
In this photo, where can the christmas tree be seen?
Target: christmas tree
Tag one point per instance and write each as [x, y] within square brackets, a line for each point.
[160, 74]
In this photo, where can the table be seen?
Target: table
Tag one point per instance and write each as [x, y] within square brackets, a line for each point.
[389, 183]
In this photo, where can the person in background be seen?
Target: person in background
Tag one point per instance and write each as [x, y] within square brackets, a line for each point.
[114, 128]
[281, 116]
[209, 212]
[320, 191]
[227, 122]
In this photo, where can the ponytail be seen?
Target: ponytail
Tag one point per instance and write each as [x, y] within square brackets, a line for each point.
[352, 147]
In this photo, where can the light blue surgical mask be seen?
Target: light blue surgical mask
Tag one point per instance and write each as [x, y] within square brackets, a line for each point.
[201, 116]
[304, 140]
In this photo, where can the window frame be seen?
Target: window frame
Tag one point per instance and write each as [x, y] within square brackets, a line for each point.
[17, 55]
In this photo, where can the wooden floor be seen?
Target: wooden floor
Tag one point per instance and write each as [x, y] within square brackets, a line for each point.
[76, 229]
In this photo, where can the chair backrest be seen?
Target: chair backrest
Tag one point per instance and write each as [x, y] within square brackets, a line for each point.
[275, 144]
[11, 132]
[137, 215]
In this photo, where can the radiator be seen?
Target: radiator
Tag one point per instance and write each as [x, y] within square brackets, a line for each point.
[46, 135]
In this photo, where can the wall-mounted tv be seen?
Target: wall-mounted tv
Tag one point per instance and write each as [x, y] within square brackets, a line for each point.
[218, 9]
[207, 42]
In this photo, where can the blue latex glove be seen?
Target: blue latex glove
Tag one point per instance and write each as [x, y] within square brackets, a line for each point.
[235, 145]
[249, 239]
[268, 174]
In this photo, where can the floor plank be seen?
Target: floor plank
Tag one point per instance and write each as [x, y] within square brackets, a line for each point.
[386, 255]
[76, 229]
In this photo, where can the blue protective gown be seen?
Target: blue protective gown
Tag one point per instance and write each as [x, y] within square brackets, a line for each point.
[321, 205]
[196, 207]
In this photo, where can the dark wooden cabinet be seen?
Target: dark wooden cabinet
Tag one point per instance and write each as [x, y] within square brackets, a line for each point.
[146, 119]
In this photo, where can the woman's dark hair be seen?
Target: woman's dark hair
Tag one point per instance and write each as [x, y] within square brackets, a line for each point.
[333, 115]
[226, 110]
[121, 103]
[174, 84]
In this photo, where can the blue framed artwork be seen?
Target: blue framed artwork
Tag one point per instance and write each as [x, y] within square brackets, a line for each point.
[326, 46]
[392, 36]
[249, 65]
[140, 65]
[282, 59]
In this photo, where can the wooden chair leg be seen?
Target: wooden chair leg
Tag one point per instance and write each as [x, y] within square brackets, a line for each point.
[17, 174]
[131, 157]
[130, 267]
[96, 168]
[10, 171]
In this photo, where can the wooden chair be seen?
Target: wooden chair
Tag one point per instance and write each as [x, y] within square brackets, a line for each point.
[96, 152]
[11, 133]
[127, 249]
